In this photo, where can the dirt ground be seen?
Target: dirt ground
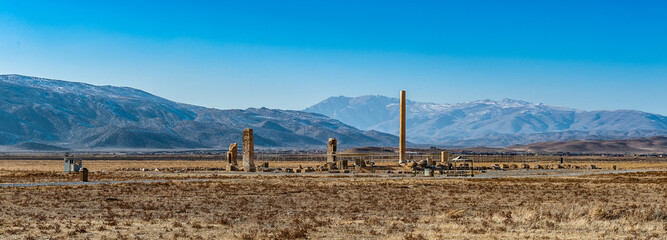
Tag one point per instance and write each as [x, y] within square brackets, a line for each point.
[517, 205]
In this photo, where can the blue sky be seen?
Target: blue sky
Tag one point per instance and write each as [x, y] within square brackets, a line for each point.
[590, 55]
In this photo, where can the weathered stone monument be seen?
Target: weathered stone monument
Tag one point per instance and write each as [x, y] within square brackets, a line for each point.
[342, 164]
[84, 175]
[444, 157]
[401, 135]
[248, 151]
[331, 150]
[232, 154]
[359, 163]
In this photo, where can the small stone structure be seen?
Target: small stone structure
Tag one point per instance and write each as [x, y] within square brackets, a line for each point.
[342, 164]
[359, 163]
[428, 172]
[84, 175]
[463, 164]
[248, 151]
[429, 162]
[232, 164]
[73, 164]
[331, 150]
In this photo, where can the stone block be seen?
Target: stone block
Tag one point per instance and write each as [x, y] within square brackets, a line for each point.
[248, 150]
[332, 146]
[84, 175]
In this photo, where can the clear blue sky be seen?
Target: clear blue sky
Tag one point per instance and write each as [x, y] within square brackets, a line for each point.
[590, 55]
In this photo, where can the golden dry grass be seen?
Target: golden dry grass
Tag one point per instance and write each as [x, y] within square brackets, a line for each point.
[604, 206]
[110, 165]
[614, 206]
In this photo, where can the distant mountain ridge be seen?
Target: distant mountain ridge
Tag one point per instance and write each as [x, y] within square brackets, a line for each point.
[642, 145]
[490, 123]
[83, 116]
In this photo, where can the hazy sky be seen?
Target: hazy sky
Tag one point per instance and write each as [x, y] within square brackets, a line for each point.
[590, 55]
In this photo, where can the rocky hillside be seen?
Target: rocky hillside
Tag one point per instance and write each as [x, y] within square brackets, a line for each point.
[82, 116]
[490, 123]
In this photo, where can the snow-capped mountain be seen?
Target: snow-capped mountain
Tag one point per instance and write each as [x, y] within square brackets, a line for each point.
[490, 123]
[82, 116]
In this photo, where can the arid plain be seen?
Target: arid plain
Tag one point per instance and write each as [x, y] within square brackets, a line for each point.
[191, 199]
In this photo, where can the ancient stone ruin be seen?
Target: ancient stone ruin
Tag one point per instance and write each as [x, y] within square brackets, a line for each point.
[342, 164]
[248, 151]
[84, 175]
[232, 164]
[401, 135]
[331, 150]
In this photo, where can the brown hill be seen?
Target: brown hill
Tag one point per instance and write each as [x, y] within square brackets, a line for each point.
[642, 145]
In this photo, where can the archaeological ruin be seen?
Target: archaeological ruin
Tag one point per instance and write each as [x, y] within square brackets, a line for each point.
[401, 135]
[331, 150]
[248, 151]
[232, 164]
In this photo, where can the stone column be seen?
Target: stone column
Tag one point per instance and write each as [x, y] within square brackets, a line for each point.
[248, 150]
[232, 156]
[444, 157]
[331, 150]
[84, 175]
[401, 134]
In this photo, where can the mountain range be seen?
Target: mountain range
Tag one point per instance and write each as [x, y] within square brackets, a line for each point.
[54, 114]
[490, 123]
[45, 114]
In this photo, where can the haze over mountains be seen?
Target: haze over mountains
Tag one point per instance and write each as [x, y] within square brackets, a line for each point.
[82, 116]
[490, 123]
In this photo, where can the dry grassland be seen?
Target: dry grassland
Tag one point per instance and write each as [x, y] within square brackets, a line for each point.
[110, 165]
[615, 206]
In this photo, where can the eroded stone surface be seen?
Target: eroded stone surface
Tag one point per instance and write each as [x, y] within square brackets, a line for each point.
[401, 135]
[248, 150]
[331, 150]
[232, 164]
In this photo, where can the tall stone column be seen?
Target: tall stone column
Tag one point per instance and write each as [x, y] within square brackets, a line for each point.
[231, 157]
[444, 157]
[331, 150]
[401, 134]
[248, 150]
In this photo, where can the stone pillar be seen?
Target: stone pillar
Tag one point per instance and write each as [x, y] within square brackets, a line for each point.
[331, 150]
[444, 157]
[84, 175]
[248, 151]
[232, 155]
[401, 134]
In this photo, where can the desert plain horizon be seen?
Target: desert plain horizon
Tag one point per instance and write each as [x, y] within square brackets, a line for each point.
[333, 120]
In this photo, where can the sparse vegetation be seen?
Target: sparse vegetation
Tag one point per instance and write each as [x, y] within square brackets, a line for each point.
[603, 206]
